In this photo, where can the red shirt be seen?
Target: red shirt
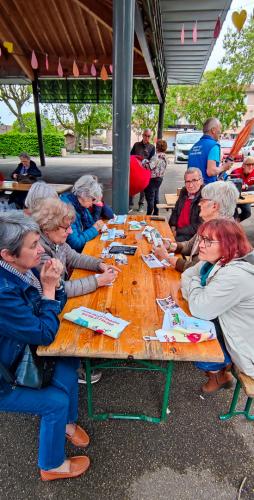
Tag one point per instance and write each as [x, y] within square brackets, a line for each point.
[247, 179]
[184, 218]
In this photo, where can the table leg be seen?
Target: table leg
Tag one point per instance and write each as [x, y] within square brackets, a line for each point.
[89, 388]
[169, 371]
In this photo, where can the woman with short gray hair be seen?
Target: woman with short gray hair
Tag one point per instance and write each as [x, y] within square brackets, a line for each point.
[26, 171]
[38, 191]
[55, 219]
[29, 307]
[86, 191]
[218, 201]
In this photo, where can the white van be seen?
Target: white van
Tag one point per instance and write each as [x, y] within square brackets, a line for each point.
[183, 144]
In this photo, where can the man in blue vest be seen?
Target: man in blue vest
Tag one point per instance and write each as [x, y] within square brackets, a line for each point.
[205, 154]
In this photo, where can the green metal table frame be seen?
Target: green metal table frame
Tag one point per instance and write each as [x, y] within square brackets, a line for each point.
[232, 410]
[116, 364]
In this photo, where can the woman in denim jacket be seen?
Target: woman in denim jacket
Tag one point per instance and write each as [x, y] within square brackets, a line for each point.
[29, 308]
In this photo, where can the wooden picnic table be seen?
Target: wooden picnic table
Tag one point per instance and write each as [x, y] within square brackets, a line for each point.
[22, 186]
[171, 199]
[132, 297]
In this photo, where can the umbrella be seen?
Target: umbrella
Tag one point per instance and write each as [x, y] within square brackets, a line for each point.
[241, 138]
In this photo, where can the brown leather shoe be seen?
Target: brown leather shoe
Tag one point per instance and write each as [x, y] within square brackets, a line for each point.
[218, 380]
[78, 465]
[80, 438]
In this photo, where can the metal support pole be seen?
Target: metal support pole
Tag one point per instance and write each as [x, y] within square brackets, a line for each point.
[38, 120]
[123, 40]
[161, 120]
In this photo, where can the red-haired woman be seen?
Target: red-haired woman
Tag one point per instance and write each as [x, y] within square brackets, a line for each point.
[221, 288]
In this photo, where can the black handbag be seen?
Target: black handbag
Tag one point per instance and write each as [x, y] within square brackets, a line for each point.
[31, 370]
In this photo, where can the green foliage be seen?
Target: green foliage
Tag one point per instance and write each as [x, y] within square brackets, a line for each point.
[29, 122]
[239, 53]
[12, 144]
[145, 116]
[217, 95]
[15, 96]
[82, 119]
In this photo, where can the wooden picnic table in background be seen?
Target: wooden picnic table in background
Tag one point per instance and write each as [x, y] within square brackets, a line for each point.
[171, 199]
[19, 186]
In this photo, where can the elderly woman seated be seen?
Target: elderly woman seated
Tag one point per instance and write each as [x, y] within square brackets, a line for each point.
[38, 191]
[86, 191]
[218, 200]
[55, 219]
[29, 308]
[185, 218]
[221, 288]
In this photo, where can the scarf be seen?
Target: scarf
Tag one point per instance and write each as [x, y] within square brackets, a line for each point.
[27, 277]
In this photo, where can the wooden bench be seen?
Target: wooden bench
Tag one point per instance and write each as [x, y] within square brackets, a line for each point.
[247, 384]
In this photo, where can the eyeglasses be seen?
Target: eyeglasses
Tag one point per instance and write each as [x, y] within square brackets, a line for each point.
[66, 228]
[207, 242]
[194, 181]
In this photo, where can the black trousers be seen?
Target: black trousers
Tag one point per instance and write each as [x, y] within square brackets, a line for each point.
[152, 195]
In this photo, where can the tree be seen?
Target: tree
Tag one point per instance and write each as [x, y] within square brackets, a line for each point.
[15, 96]
[29, 123]
[217, 95]
[145, 116]
[82, 119]
[239, 53]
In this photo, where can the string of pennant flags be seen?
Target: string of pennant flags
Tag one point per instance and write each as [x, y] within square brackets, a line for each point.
[238, 19]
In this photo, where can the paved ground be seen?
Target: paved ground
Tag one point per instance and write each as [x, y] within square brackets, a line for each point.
[193, 456]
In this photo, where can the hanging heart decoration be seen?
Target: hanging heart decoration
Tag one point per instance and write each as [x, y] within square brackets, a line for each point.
[182, 35]
[8, 46]
[34, 62]
[85, 69]
[75, 69]
[47, 62]
[93, 70]
[60, 69]
[111, 68]
[238, 19]
[104, 73]
[217, 28]
[195, 32]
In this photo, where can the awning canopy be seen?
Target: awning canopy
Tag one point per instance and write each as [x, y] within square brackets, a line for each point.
[185, 63]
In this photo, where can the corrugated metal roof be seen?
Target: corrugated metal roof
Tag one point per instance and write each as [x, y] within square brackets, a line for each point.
[186, 63]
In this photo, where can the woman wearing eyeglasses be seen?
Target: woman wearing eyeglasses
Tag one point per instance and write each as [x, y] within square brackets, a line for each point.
[185, 218]
[221, 288]
[55, 219]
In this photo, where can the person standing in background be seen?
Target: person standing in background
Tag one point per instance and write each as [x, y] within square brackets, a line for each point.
[205, 154]
[145, 150]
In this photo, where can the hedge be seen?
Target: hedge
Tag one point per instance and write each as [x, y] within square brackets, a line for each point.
[12, 144]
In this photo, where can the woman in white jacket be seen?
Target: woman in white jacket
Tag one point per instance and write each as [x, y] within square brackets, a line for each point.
[221, 288]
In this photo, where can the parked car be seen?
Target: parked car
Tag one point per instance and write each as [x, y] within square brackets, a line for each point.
[183, 144]
[248, 149]
[226, 145]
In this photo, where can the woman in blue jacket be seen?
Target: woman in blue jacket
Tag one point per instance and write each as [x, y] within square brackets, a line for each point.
[86, 191]
[29, 308]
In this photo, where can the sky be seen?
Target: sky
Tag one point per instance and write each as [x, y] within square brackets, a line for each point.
[8, 118]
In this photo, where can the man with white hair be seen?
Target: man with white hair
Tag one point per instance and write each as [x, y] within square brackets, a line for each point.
[205, 154]
[218, 201]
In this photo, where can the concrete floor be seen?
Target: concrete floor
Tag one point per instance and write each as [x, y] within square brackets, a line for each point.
[194, 456]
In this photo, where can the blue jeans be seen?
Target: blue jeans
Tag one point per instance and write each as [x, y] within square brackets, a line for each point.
[214, 367]
[56, 404]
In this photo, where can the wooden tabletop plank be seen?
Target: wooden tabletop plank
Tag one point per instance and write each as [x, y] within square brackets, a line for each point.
[19, 186]
[171, 199]
[132, 297]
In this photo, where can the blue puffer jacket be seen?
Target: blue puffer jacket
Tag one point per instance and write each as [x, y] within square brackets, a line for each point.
[26, 318]
[82, 228]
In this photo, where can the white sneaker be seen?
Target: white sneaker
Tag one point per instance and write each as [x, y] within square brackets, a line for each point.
[95, 377]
